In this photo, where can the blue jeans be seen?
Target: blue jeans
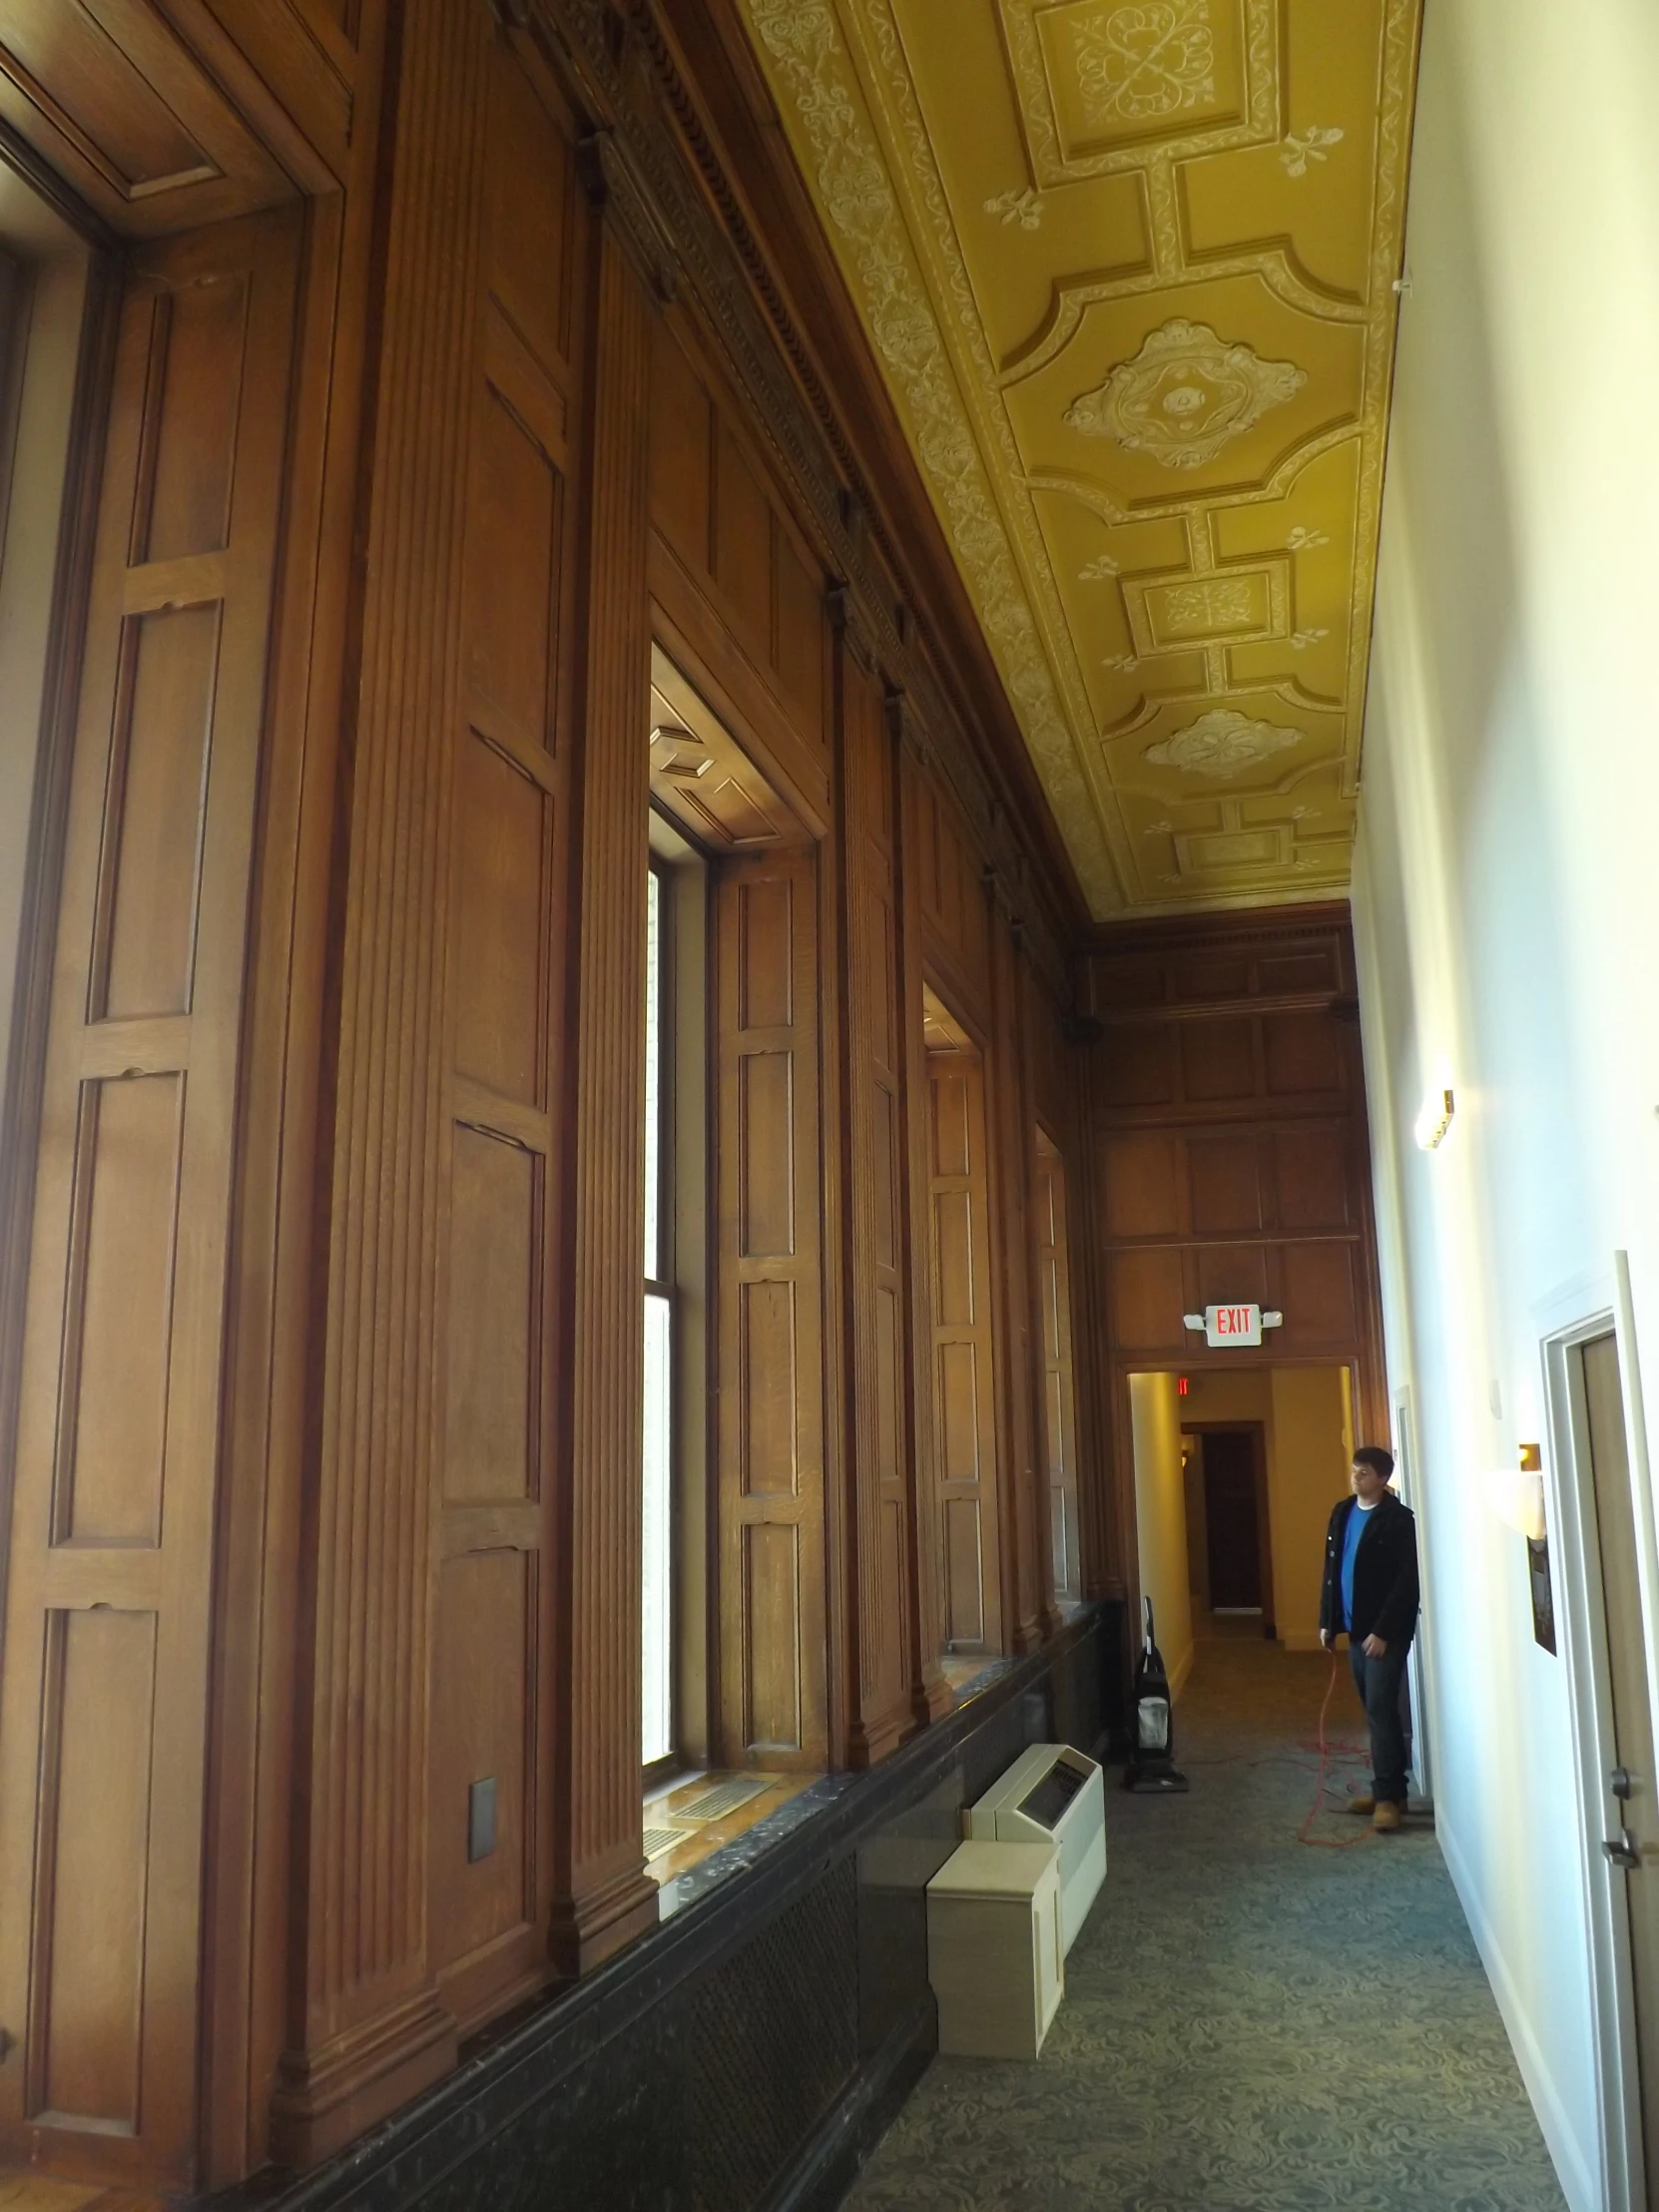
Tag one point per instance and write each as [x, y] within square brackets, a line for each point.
[1380, 1683]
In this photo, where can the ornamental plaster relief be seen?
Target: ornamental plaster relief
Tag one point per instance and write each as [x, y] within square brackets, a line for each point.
[1136, 308]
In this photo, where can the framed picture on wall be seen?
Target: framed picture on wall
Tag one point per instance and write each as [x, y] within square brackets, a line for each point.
[1543, 1594]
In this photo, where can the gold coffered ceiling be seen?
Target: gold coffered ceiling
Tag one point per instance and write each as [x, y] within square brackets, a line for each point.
[1128, 269]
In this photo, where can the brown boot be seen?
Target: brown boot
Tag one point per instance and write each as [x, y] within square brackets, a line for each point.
[1363, 1806]
[1386, 1816]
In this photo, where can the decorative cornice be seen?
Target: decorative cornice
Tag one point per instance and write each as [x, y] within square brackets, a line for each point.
[613, 182]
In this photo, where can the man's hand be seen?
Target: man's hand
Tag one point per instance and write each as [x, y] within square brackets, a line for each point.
[1374, 1647]
[1327, 1639]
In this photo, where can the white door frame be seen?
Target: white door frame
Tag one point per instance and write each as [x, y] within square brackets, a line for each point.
[1419, 1665]
[1602, 1307]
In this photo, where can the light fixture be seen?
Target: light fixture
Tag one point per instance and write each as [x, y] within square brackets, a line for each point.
[1433, 1120]
[1517, 1494]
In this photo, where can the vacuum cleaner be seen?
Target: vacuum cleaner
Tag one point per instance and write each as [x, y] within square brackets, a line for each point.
[1152, 1768]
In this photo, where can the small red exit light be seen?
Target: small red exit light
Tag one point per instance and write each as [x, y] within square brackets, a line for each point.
[1181, 1386]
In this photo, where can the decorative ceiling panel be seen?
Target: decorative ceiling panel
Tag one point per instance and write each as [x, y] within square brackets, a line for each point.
[1128, 266]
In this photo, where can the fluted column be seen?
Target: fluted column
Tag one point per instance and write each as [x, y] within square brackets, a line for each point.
[603, 1897]
[366, 2027]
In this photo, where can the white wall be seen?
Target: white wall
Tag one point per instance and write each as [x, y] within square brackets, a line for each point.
[1506, 903]
[1161, 1518]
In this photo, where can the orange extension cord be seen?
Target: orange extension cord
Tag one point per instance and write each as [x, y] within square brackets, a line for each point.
[1325, 1843]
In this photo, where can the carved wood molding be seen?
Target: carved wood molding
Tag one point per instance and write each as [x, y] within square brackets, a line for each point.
[613, 180]
[726, 272]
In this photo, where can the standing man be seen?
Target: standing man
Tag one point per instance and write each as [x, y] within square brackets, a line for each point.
[1370, 1590]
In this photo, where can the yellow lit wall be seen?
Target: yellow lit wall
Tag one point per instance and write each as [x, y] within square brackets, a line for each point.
[1305, 1419]
[1161, 1518]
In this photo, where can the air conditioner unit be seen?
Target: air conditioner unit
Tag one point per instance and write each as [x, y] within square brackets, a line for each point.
[1051, 1794]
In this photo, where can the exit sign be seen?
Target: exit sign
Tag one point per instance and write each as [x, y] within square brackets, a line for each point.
[1232, 1325]
[1227, 1326]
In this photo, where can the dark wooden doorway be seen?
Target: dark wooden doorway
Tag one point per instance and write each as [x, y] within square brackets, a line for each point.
[1237, 1548]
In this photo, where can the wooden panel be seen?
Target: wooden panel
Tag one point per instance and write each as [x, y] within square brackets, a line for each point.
[800, 628]
[203, 332]
[1059, 1407]
[773, 1719]
[768, 1296]
[514, 521]
[879, 1614]
[1316, 968]
[1141, 1175]
[765, 1135]
[742, 542]
[120, 1442]
[1302, 1053]
[964, 1400]
[1311, 1174]
[495, 1208]
[504, 832]
[1137, 1066]
[1224, 1177]
[117, 102]
[1205, 975]
[125, 1219]
[1232, 1275]
[1319, 1295]
[530, 215]
[483, 1663]
[1147, 1300]
[157, 807]
[681, 467]
[88, 2037]
[767, 1381]
[703, 779]
[1218, 1060]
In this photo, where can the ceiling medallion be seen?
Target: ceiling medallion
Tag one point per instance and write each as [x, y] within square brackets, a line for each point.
[1141, 62]
[1184, 395]
[1221, 743]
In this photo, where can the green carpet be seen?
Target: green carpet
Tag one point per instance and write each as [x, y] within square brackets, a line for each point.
[1248, 2026]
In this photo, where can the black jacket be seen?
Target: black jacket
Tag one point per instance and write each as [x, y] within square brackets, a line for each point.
[1385, 1573]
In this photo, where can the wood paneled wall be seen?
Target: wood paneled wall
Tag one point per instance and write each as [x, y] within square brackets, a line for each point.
[326, 1521]
[770, 1461]
[1230, 1151]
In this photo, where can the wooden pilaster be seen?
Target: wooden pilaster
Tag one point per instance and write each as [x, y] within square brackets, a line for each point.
[366, 2027]
[602, 1895]
[879, 1569]
[931, 1693]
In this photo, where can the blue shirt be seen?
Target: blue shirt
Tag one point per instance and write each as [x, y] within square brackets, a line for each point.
[1358, 1522]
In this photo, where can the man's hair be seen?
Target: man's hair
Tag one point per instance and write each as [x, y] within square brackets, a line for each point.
[1373, 1457]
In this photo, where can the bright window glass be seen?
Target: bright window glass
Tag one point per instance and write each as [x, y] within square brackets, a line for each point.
[657, 1654]
[657, 1615]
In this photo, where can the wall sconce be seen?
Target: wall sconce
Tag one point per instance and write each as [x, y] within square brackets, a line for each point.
[1433, 1120]
[1518, 1495]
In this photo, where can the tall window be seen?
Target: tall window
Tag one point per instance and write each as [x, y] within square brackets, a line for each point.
[657, 1652]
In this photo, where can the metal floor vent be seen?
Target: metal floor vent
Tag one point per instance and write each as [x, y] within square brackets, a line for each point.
[714, 1804]
[659, 1839]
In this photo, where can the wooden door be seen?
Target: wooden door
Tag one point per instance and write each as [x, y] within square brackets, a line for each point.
[964, 1402]
[1059, 1393]
[771, 1604]
[104, 1688]
[1630, 1820]
[1230, 1508]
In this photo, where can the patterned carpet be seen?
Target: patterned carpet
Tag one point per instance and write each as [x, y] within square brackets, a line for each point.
[1248, 2026]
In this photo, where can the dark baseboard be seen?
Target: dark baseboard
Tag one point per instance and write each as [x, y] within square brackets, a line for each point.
[746, 2054]
[832, 2161]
